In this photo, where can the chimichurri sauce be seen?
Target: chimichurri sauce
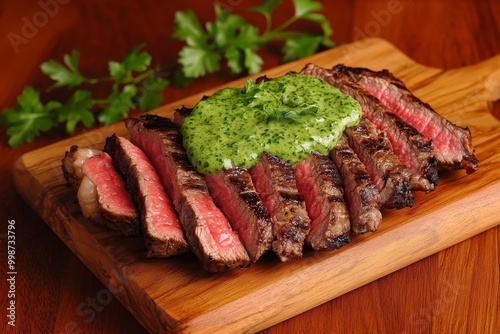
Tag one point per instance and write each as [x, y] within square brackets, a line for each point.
[288, 116]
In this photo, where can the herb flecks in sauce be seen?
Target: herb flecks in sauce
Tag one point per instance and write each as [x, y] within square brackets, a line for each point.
[289, 117]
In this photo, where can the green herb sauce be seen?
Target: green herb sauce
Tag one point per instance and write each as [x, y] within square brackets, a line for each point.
[289, 117]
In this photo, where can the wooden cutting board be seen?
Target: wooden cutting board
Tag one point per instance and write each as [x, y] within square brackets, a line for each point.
[176, 295]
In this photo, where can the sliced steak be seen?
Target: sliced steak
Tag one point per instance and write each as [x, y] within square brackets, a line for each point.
[452, 143]
[208, 232]
[360, 193]
[233, 191]
[412, 148]
[101, 191]
[391, 177]
[274, 180]
[320, 183]
[161, 228]
[72, 164]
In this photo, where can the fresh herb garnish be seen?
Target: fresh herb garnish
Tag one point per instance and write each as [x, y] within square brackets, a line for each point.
[249, 91]
[280, 106]
[290, 115]
[29, 117]
[282, 115]
[64, 75]
[231, 38]
[133, 84]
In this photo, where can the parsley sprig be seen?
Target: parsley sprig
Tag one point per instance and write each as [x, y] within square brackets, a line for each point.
[231, 38]
[133, 83]
[249, 91]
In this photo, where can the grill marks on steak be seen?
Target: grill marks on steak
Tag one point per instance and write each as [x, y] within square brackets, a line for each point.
[319, 202]
[452, 143]
[101, 190]
[361, 194]
[320, 183]
[389, 175]
[161, 228]
[412, 148]
[209, 234]
[233, 191]
[274, 180]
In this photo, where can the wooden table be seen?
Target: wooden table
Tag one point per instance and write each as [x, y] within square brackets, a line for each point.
[455, 290]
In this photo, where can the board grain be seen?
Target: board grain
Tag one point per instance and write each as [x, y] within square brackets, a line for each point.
[176, 295]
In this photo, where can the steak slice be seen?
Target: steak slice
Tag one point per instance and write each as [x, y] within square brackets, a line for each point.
[101, 191]
[391, 177]
[452, 143]
[412, 148]
[72, 164]
[233, 191]
[274, 180]
[209, 234]
[161, 228]
[320, 183]
[360, 193]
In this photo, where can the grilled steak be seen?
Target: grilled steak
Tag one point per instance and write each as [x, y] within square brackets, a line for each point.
[274, 180]
[233, 191]
[72, 164]
[391, 177]
[452, 143]
[208, 232]
[231, 218]
[320, 183]
[101, 191]
[412, 148]
[360, 193]
[161, 228]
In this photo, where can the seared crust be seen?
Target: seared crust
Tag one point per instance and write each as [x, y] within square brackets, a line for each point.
[391, 177]
[452, 143]
[163, 234]
[233, 191]
[361, 194]
[321, 185]
[274, 180]
[208, 232]
[412, 148]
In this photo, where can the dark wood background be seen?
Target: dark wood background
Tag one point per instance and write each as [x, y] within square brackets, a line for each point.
[55, 292]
